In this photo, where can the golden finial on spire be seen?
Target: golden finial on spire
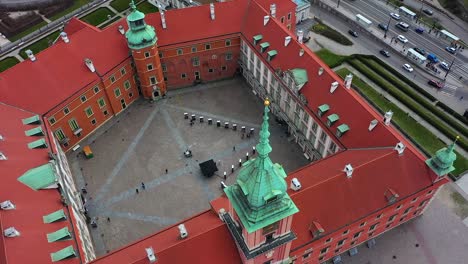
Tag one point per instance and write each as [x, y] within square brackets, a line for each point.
[267, 102]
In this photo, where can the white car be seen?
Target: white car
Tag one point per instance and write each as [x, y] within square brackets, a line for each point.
[408, 67]
[395, 16]
[444, 65]
[402, 38]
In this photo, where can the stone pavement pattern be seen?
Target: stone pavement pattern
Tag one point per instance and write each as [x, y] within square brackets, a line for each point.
[147, 139]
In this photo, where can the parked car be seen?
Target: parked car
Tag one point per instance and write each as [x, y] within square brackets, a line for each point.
[420, 51]
[383, 26]
[444, 65]
[432, 58]
[450, 49]
[395, 16]
[353, 33]
[428, 11]
[385, 53]
[402, 38]
[419, 30]
[408, 67]
[436, 84]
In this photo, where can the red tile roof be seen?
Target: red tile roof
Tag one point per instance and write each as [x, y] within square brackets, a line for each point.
[32, 245]
[208, 242]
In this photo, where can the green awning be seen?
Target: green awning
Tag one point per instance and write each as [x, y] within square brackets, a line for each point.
[61, 234]
[54, 217]
[39, 177]
[68, 252]
[264, 46]
[333, 118]
[342, 128]
[257, 38]
[299, 75]
[323, 108]
[40, 143]
[32, 120]
[37, 131]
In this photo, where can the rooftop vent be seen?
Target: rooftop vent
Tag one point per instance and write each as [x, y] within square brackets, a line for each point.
[388, 117]
[273, 10]
[90, 65]
[11, 232]
[1, 137]
[320, 71]
[150, 254]
[301, 52]
[2, 156]
[7, 205]
[221, 213]
[212, 11]
[64, 37]
[348, 80]
[391, 195]
[349, 170]
[121, 29]
[265, 20]
[295, 184]
[333, 86]
[300, 36]
[287, 40]
[373, 124]
[400, 148]
[30, 55]
[182, 231]
[163, 19]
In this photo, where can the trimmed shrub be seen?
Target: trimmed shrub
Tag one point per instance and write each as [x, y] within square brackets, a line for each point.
[330, 33]
[8, 63]
[330, 58]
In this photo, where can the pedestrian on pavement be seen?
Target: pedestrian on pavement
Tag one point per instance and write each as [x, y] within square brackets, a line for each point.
[461, 98]
[143, 185]
[234, 148]
[108, 219]
[137, 191]
[166, 171]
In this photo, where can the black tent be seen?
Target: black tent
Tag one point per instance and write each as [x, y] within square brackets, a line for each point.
[208, 168]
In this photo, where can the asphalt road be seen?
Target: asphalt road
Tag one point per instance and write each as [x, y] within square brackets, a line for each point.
[378, 12]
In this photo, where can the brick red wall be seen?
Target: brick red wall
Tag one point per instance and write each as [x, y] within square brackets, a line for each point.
[214, 58]
[144, 74]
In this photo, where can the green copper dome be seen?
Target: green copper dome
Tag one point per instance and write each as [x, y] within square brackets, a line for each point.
[139, 35]
[442, 162]
[259, 196]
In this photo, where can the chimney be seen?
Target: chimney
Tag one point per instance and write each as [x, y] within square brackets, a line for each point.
[287, 40]
[348, 80]
[163, 19]
[400, 148]
[300, 36]
[121, 30]
[320, 72]
[11, 232]
[182, 231]
[90, 65]
[212, 11]
[333, 87]
[150, 254]
[221, 213]
[388, 117]
[30, 55]
[372, 124]
[3, 156]
[265, 20]
[7, 205]
[64, 37]
[349, 170]
[273, 10]
[301, 52]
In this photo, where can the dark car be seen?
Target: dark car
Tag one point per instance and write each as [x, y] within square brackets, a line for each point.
[436, 84]
[419, 30]
[428, 11]
[385, 53]
[420, 51]
[383, 26]
[353, 33]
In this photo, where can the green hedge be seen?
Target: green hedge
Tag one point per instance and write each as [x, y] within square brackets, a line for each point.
[376, 67]
[408, 101]
[419, 134]
[147, 8]
[120, 5]
[39, 45]
[330, 58]
[8, 63]
[98, 16]
[330, 33]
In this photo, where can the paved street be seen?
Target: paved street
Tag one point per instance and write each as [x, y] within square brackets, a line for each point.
[139, 145]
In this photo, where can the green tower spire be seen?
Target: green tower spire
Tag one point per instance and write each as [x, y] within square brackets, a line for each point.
[442, 162]
[139, 35]
[259, 196]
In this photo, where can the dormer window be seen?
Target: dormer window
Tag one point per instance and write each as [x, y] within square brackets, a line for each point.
[323, 109]
[272, 199]
[257, 38]
[343, 128]
[271, 54]
[331, 119]
[264, 46]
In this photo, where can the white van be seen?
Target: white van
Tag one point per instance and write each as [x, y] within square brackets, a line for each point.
[403, 26]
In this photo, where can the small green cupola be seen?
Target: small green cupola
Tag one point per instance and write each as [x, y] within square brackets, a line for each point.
[442, 162]
[259, 196]
[139, 35]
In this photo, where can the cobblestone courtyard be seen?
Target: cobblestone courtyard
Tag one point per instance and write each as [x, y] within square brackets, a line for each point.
[139, 145]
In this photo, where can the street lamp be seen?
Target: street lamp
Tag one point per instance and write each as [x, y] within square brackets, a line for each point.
[338, 4]
[420, 12]
[388, 26]
[450, 67]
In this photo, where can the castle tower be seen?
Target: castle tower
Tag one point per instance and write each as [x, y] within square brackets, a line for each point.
[442, 162]
[142, 41]
[260, 213]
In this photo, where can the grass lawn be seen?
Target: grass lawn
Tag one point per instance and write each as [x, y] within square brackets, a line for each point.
[40, 45]
[110, 22]
[8, 63]
[330, 58]
[28, 31]
[120, 5]
[98, 16]
[146, 8]
[326, 31]
[77, 4]
[416, 131]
